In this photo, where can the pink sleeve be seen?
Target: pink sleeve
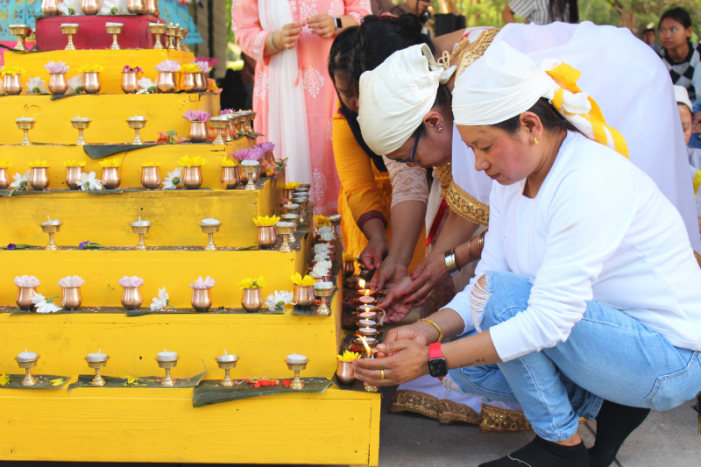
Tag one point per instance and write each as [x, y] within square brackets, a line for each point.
[357, 9]
[250, 35]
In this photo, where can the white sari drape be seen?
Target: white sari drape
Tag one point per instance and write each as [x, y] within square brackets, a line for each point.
[287, 114]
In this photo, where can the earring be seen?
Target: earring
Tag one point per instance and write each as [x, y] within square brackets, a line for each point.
[440, 127]
[535, 140]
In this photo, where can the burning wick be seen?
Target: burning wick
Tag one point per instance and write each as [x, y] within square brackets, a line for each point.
[370, 352]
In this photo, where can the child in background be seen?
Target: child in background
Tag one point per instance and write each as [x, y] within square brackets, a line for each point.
[684, 105]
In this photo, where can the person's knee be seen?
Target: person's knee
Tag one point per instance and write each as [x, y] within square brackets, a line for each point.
[497, 295]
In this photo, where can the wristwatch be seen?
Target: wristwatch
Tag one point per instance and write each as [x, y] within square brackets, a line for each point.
[436, 363]
[337, 22]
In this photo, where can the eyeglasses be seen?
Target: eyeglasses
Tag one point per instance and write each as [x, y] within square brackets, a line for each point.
[412, 159]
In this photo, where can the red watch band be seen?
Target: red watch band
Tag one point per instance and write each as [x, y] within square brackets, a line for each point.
[434, 351]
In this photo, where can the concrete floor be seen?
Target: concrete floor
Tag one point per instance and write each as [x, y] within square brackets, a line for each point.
[667, 439]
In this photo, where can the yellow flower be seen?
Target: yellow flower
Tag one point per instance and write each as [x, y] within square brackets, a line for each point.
[266, 220]
[348, 256]
[229, 162]
[12, 70]
[290, 185]
[91, 69]
[73, 164]
[4, 380]
[306, 281]
[111, 162]
[151, 164]
[190, 68]
[321, 221]
[133, 381]
[39, 163]
[249, 283]
[348, 356]
[187, 161]
[57, 382]
[5, 164]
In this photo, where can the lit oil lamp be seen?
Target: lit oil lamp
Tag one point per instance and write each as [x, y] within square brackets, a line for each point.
[368, 344]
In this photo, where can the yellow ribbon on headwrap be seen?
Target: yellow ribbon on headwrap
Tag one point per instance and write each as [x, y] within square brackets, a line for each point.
[566, 77]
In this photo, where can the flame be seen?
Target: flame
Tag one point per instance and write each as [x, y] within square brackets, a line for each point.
[365, 344]
[367, 292]
[361, 283]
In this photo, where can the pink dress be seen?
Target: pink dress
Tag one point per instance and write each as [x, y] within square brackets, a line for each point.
[319, 92]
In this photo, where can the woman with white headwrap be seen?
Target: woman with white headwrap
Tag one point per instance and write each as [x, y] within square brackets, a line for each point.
[588, 300]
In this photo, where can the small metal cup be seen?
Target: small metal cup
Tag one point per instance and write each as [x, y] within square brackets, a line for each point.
[267, 236]
[192, 177]
[202, 299]
[57, 83]
[71, 298]
[304, 295]
[24, 297]
[131, 298]
[252, 300]
[344, 373]
[39, 178]
[111, 178]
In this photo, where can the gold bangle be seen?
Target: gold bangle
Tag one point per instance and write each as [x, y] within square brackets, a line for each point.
[431, 323]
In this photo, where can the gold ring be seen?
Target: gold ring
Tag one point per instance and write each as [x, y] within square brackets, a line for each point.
[382, 373]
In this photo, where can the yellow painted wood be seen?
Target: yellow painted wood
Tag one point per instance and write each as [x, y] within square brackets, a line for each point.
[106, 219]
[152, 425]
[112, 60]
[108, 114]
[262, 342]
[174, 270]
[132, 161]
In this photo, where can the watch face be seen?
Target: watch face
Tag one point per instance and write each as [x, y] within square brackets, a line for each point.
[338, 22]
[437, 367]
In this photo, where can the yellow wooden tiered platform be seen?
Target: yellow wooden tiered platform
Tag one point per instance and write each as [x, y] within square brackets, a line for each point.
[145, 424]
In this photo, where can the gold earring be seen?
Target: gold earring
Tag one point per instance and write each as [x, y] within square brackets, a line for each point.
[535, 140]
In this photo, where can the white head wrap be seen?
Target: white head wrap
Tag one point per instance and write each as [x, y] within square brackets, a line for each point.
[395, 97]
[682, 97]
[504, 83]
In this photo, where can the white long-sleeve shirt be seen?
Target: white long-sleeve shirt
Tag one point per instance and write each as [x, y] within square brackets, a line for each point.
[599, 228]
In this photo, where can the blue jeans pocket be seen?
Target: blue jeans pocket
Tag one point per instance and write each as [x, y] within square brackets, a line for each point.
[676, 388]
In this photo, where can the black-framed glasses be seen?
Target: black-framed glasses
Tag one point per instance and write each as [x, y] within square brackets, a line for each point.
[412, 159]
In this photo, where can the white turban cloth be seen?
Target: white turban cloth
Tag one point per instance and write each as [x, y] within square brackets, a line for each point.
[395, 97]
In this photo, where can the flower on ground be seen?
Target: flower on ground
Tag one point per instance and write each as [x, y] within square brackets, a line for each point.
[45, 305]
[57, 382]
[278, 300]
[11, 246]
[306, 281]
[174, 179]
[57, 67]
[348, 356]
[81, 245]
[70, 8]
[20, 182]
[89, 182]
[76, 84]
[146, 86]
[4, 380]
[249, 283]
[262, 221]
[162, 301]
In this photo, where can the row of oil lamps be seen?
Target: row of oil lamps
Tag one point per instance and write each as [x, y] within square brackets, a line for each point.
[229, 126]
[166, 360]
[92, 7]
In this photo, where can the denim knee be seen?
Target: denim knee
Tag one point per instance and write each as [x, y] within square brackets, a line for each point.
[507, 293]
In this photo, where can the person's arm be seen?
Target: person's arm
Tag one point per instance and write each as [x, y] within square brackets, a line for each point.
[507, 15]
[250, 35]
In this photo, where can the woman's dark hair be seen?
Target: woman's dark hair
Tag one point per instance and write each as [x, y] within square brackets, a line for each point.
[551, 119]
[679, 15]
[341, 53]
[442, 99]
[558, 8]
[378, 38]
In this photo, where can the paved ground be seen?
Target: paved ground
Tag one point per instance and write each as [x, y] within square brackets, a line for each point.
[666, 439]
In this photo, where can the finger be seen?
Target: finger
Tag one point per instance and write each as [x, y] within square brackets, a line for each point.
[373, 378]
[415, 285]
[421, 294]
[315, 18]
[419, 270]
[387, 301]
[392, 335]
[293, 25]
[394, 346]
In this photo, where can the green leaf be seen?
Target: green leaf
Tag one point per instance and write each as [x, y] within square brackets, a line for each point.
[210, 392]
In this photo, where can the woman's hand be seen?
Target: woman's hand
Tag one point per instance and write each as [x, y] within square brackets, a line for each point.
[376, 249]
[431, 272]
[322, 25]
[288, 36]
[393, 303]
[408, 361]
[420, 332]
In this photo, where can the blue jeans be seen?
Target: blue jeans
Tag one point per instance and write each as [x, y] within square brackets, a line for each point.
[608, 355]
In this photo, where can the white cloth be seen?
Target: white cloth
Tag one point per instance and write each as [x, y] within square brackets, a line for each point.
[290, 134]
[607, 57]
[395, 96]
[598, 229]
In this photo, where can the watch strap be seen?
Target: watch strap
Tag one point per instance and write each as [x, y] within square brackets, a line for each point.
[337, 22]
[434, 351]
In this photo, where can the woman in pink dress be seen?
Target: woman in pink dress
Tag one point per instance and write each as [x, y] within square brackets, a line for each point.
[294, 97]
